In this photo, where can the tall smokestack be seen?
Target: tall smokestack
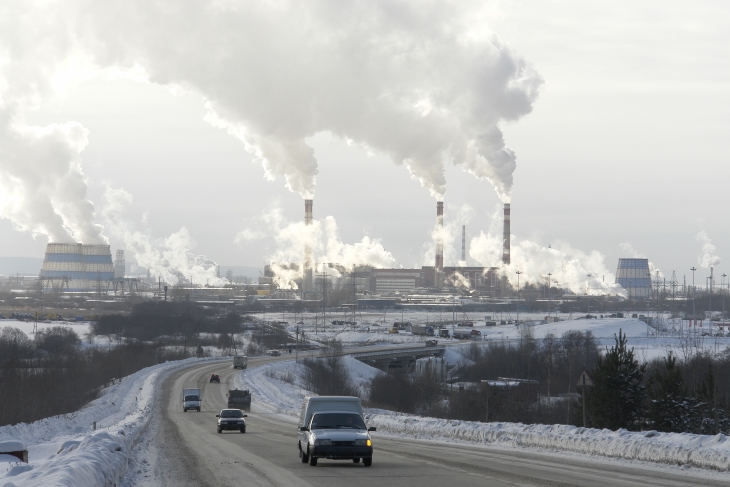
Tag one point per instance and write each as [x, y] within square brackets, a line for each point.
[439, 242]
[505, 238]
[308, 277]
[463, 244]
[439, 267]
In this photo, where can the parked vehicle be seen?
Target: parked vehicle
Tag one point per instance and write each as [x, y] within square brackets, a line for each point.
[333, 427]
[432, 343]
[491, 323]
[191, 399]
[238, 399]
[444, 333]
[240, 362]
[231, 419]
[215, 378]
[275, 353]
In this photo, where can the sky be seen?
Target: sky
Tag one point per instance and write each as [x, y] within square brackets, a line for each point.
[618, 141]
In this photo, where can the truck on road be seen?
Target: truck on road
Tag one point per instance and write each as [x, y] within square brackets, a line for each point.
[466, 334]
[238, 399]
[240, 362]
[191, 399]
[422, 330]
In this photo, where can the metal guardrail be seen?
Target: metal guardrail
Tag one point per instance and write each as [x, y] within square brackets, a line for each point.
[398, 351]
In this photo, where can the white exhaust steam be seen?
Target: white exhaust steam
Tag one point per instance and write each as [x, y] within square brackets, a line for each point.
[570, 268]
[169, 258]
[322, 237]
[421, 81]
[708, 258]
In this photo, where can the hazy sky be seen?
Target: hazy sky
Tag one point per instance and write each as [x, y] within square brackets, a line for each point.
[627, 142]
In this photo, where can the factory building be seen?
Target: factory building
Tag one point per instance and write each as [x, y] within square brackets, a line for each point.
[479, 278]
[396, 280]
[634, 276]
[77, 267]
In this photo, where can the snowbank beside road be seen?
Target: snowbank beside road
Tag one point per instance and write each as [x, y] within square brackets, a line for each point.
[64, 451]
[672, 448]
[270, 394]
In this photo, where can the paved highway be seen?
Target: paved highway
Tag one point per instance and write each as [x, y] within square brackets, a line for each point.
[191, 453]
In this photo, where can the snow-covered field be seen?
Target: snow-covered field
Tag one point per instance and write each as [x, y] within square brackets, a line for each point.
[278, 388]
[64, 450]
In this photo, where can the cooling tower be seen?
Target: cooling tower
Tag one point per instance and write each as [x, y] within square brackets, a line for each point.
[77, 267]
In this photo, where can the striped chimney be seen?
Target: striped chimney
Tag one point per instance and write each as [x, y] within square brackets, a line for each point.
[439, 242]
[505, 239]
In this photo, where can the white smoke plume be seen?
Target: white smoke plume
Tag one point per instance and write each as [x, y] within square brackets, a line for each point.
[449, 234]
[42, 186]
[170, 258]
[570, 268]
[420, 81]
[708, 258]
[322, 236]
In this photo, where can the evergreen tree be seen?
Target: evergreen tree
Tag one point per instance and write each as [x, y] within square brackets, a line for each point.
[617, 398]
[670, 407]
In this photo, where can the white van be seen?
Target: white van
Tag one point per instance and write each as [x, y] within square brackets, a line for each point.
[333, 427]
[315, 404]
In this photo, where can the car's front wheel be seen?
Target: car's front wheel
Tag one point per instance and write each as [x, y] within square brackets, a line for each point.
[367, 461]
[312, 461]
[243, 430]
[355, 460]
[219, 431]
[303, 456]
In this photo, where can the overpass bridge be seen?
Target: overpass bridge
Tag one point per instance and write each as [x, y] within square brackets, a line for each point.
[398, 358]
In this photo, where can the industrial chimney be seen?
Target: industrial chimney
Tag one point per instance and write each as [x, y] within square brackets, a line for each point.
[463, 244]
[505, 238]
[439, 267]
[308, 283]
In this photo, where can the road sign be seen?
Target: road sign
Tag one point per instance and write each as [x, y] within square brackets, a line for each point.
[585, 380]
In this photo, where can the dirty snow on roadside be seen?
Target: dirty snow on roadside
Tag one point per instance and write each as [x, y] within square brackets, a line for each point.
[279, 388]
[65, 451]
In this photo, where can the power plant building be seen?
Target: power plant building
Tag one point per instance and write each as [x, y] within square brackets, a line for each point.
[634, 276]
[77, 267]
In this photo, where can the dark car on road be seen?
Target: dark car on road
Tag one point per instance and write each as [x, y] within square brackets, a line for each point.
[231, 419]
[215, 378]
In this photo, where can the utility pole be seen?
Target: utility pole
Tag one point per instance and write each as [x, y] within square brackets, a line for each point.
[550, 298]
[722, 284]
[694, 297]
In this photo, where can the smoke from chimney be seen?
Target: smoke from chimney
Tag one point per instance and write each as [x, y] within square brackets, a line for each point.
[505, 238]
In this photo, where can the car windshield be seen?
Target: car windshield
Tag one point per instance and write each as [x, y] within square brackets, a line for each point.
[337, 420]
[192, 398]
[231, 413]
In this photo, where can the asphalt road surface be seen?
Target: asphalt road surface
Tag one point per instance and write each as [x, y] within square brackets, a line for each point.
[194, 454]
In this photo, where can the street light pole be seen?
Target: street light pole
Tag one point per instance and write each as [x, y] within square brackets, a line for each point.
[550, 300]
[694, 309]
[518, 297]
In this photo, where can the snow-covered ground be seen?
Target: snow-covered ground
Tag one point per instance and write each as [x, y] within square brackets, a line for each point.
[66, 451]
[278, 388]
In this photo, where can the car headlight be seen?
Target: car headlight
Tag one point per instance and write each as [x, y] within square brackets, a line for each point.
[363, 443]
[322, 442]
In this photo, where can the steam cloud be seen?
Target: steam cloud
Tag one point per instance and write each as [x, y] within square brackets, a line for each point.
[170, 258]
[570, 268]
[322, 236]
[422, 82]
[708, 258]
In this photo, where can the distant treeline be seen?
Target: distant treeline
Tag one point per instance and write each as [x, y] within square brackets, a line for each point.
[689, 393]
[51, 374]
[152, 319]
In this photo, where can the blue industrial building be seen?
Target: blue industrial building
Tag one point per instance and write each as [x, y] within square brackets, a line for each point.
[77, 267]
